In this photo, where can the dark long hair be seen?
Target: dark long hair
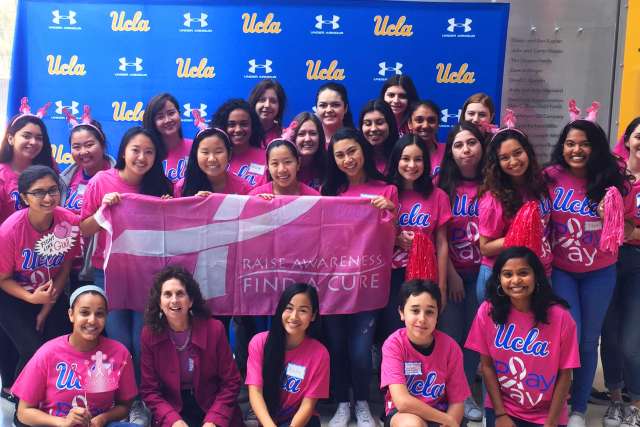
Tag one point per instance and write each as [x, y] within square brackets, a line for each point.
[152, 312]
[194, 178]
[423, 185]
[498, 183]
[630, 128]
[603, 168]
[382, 107]
[406, 83]
[154, 106]
[450, 175]
[44, 157]
[336, 181]
[221, 119]
[319, 161]
[347, 121]
[542, 298]
[276, 344]
[154, 182]
[259, 90]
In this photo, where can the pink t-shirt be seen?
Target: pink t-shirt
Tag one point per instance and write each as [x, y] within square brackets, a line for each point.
[436, 158]
[176, 162]
[620, 150]
[493, 224]
[303, 190]
[527, 358]
[463, 233]
[233, 185]
[250, 165]
[310, 176]
[306, 373]
[274, 133]
[419, 214]
[59, 377]
[20, 256]
[9, 195]
[436, 379]
[371, 190]
[103, 182]
[76, 189]
[575, 224]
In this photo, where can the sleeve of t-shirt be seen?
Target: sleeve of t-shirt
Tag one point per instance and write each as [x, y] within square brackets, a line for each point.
[74, 220]
[490, 221]
[7, 249]
[92, 199]
[393, 195]
[457, 386]
[254, 361]
[318, 387]
[127, 388]
[630, 203]
[569, 354]
[443, 206]
[31, 385]
[392, 368]
[480, 326]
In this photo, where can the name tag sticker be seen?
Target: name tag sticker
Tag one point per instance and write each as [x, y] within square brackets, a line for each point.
[592, 225]
[296, 371]
[190, 364]
[81, 188]
[256, 169]
[412, 368]
[369, 196]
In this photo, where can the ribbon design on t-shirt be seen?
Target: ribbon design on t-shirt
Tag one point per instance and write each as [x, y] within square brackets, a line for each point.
[513, 383]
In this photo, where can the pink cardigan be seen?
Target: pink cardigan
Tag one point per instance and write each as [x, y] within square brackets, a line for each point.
[216, 380]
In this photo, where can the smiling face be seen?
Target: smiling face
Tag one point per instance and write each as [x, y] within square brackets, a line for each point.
[308, 139]
[349, 158]
[517, 279]
[298, 315]
[513, 158]
[139, 155]
[420, 316]
[239, 128]
[424, 123]
[175, 302]
[167, 120]
[43, 195]
[27, 142]
[283, 168]
[411, 164]
[88, 316]
[576, 150]
[477, 113]
[86, 150]
[397, 99]
[268, 107]
[212, 156]
[634, 143]
[330, 108]
[375, 127]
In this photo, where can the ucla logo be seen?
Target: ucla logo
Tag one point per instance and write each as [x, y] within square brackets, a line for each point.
[243, 173]
[17, 202]
[32, 260]
[174, 174]
[445, 75]
[428, 388]
[316, 72]
[584, 207]
[251, 25]
[122, 114]
[67, 377]
[291, 384]
[462, 206]
[73, 201]
[201, 71]
[529, 345]
[61, 158]
[399, 29]
[59, 68]
[119, 22]
[414, 218]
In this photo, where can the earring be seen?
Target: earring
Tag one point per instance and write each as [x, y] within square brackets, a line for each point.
[537, 287]
[498, 291]
[190, 312]
[160, 315]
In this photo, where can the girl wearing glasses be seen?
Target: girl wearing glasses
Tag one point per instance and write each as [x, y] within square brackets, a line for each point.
[39, 244]
[424, 120]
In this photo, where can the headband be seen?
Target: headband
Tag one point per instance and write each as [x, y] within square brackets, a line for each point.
[83, 290]
[202, 126]
[86, 120]
[25, 110]
[509, 121]
[592, 111]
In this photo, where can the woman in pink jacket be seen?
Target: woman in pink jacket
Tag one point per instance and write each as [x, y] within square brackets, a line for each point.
[189, 377]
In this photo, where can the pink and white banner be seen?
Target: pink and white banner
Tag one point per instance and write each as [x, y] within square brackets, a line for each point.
[245, 250]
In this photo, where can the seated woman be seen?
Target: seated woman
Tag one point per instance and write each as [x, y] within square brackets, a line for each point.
[421, 366]
[288, 370]
[189, 377]
[82, 379]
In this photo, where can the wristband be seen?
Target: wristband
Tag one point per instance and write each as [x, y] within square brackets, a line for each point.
[500, 415]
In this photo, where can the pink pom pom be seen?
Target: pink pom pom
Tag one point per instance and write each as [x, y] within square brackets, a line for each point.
[526, 229]
[422, 259]
[613, 223]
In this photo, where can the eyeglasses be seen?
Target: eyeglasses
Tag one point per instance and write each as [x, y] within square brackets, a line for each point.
[40, 194]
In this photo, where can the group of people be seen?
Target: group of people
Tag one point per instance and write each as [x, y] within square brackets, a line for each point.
[528, 320]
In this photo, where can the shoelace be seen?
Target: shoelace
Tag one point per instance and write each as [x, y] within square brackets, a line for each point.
[633, 417]
[362, 412]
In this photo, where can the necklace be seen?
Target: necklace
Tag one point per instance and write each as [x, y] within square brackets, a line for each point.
[184, 345]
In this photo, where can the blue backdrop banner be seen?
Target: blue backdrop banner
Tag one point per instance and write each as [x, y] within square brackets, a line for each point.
[115, 55]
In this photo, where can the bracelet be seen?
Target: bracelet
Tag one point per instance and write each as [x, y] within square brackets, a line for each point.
[500, 415]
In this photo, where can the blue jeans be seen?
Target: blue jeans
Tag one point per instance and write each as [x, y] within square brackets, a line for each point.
[588, 295]
[456, 320]
[481, 284]
[620, 343]
[350, 337]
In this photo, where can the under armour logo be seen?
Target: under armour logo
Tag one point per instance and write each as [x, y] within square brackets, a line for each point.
[320, 22]
[73, 107]
[446, 116]
[453, 25]
[188, 109]
[188, 20]
[383, 68]
[71, 17]
[124, 64]
[266, 66]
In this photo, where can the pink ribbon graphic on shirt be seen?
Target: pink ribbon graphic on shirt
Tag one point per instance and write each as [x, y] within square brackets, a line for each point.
[574, 234]
[514, 383]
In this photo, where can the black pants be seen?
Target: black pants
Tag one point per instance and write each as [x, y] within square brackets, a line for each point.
[191, 412]
[18, 320]
[8, 360]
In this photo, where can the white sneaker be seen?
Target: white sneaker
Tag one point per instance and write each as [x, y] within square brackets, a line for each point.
[632, 418]
[139, 413]
[363, 414]
[614, 414]
[342, 416]
[472, 411]
[576, 419]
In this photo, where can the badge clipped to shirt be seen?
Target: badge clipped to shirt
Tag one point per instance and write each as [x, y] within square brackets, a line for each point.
[256, 169]
[190, 364]
[412, 368]
[80, 189]
[296, 371]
